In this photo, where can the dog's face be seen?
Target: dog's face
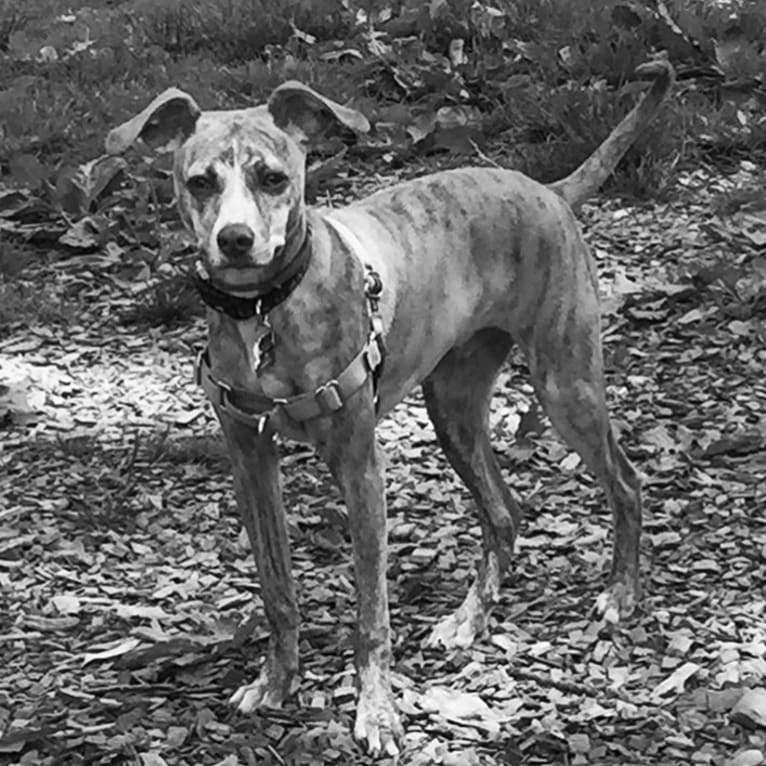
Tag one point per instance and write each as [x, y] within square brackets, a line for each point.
[239, 175]
[239, 183]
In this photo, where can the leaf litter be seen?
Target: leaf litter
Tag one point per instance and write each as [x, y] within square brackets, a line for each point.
[132, 607]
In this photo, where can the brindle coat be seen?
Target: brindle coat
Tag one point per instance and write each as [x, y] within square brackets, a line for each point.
[472, 261]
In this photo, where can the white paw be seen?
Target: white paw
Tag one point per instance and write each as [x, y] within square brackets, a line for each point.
[616, 603]
[256, 695]
[454, 632]
[459, 630]
[377, 726]
[606, 609]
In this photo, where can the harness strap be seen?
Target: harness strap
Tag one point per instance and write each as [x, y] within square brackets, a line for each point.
[373, 289]
[255, 409]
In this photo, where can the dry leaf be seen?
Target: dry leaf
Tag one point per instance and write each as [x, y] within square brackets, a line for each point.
[121, 647]
[750, 709]
[675, 681]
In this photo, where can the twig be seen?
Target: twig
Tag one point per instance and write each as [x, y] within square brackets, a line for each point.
[484, 157]
[8, 512]
[569, 687]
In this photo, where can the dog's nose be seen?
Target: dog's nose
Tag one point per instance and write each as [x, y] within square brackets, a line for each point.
[235, 239]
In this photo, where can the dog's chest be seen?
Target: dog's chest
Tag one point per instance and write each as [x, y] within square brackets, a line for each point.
[236, 352]
[243, 354]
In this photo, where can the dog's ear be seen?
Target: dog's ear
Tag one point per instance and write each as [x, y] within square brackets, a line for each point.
[309, 116]
[164, 125]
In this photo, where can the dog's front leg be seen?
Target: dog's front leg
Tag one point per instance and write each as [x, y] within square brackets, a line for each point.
[255, 463]
[348, 445]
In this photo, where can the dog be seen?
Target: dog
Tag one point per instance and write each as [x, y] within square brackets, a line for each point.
[321, 321]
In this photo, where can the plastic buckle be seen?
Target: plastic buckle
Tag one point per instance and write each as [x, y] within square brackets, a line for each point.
[224, 392]
[199, 360]
[328, 397]
[377, 325]
[372, 353]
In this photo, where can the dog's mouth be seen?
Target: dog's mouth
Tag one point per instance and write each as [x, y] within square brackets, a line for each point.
[244, 281]
[250, 289]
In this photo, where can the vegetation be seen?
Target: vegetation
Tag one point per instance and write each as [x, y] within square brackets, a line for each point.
[530, 84]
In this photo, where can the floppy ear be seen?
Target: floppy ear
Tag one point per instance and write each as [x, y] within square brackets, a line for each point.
[164, 125]
[309, 116]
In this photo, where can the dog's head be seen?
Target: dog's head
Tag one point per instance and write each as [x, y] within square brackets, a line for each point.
[239, 175]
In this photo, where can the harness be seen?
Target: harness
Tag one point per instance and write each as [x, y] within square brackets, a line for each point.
[258, 410]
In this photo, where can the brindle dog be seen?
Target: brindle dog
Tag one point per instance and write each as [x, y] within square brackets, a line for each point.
[471, 261]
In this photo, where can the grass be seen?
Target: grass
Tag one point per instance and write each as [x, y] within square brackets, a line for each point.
[28, 304]
[14, 258]
[61, 109]
[167, 302]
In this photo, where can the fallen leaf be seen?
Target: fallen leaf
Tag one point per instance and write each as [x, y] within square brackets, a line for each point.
[675, 681]
[152, 759]
[579, 743]
[121, 647]
[746, 758]
[66, 603]
[750, 710]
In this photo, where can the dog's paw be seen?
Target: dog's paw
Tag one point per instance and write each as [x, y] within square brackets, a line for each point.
[378, 728]
[459, 630]
[617, 603]
[262, 692]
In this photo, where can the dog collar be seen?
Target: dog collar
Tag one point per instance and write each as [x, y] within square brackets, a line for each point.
[279, 288]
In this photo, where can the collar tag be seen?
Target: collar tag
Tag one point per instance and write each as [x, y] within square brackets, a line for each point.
[263, 348]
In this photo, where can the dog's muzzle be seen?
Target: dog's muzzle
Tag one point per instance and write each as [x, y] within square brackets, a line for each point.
[271, 293]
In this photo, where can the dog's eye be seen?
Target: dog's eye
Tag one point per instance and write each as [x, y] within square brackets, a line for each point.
[273, 181]
[201, 184]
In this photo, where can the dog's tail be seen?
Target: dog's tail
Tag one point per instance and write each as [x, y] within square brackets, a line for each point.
[585, 181]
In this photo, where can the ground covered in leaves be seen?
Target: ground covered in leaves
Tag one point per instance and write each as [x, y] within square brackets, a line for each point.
[130, 607]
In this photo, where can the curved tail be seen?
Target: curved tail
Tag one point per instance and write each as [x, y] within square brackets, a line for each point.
[585, 180]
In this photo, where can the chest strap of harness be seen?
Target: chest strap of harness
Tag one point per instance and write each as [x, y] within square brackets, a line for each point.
[257, 409]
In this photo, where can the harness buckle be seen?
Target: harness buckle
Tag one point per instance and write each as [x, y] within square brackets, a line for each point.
[224, 393]
[376, 322]
[328, 397]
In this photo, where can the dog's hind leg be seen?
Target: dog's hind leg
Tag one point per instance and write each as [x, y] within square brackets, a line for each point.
[457, 395]
[255, 464]
[567, 373]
